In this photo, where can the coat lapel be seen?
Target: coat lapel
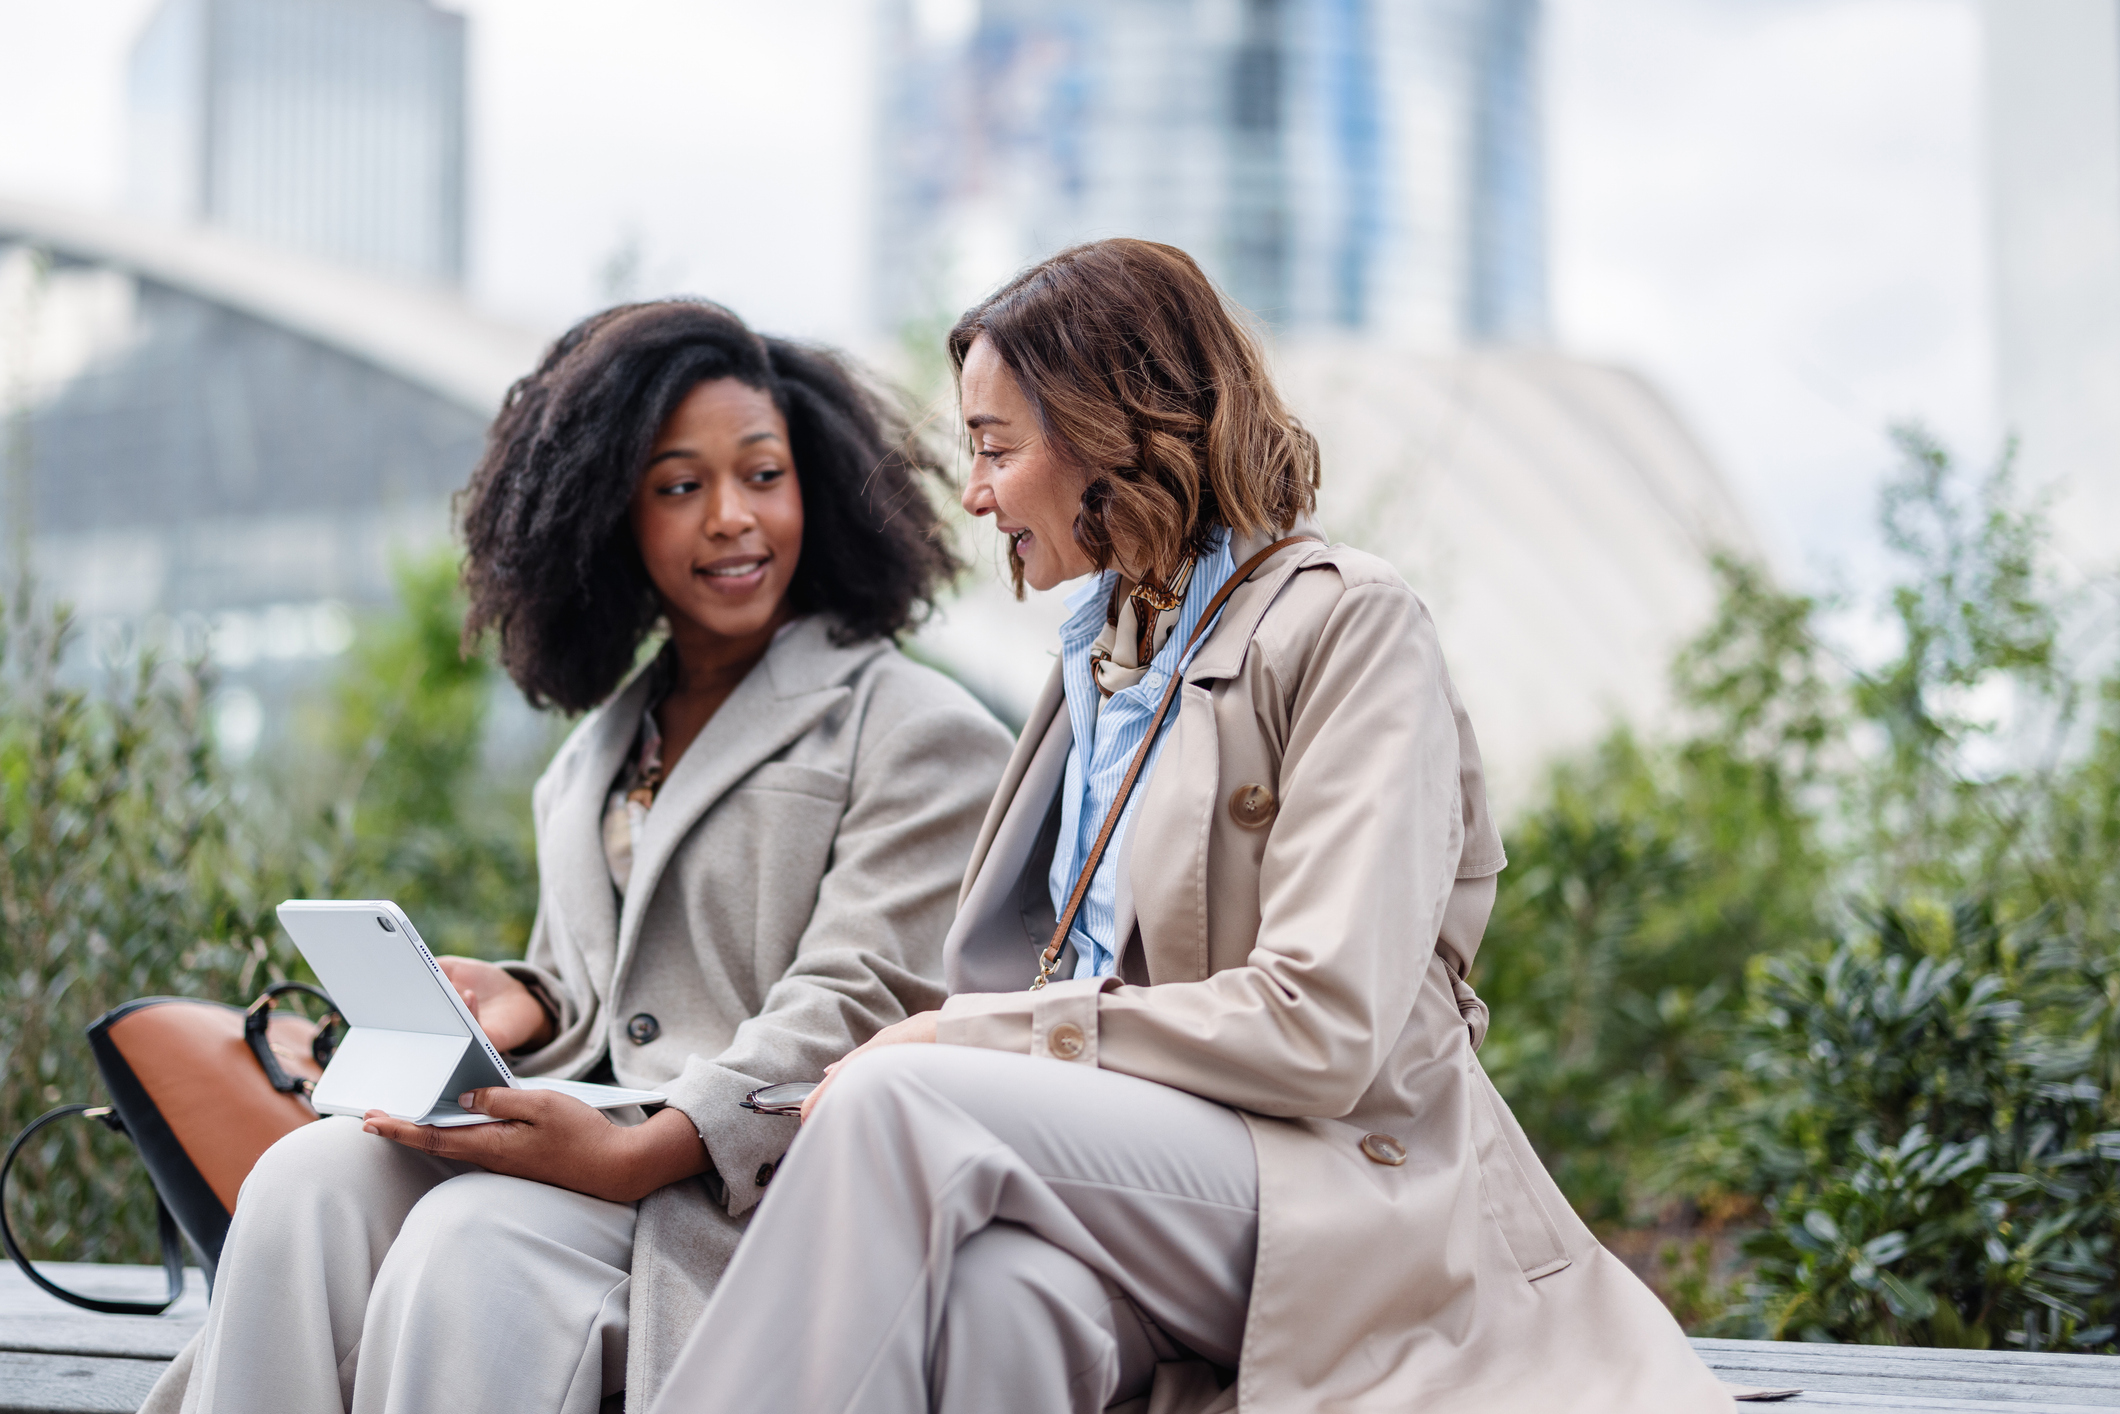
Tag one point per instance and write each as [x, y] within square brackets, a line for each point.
[1190, 755]
[802, 677]
[1223, 653]
[1022, 762]
[571, 858]
[985, 950]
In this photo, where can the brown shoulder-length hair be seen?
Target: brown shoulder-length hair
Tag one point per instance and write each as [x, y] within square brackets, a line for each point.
[1142, 375]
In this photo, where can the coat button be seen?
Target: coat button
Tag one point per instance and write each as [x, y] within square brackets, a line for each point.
[1252, 806]
[1066, 1041]
[1383, 1149]
[643, 1028]
[765, 1174]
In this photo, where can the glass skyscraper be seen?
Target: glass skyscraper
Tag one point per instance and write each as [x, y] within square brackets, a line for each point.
[331, 127]
[1372, 167]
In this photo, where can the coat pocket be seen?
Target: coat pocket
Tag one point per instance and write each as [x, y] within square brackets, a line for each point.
[797, 780]
[1535, 1238]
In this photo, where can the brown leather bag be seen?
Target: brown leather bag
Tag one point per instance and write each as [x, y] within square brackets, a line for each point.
[202, 1088]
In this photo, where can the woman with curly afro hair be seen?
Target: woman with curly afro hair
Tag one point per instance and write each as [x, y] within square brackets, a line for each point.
[748, 855]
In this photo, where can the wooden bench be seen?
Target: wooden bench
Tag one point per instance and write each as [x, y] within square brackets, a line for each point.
[54, 1358]
[58, 1357]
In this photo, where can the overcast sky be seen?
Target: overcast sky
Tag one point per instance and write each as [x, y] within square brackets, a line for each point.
[1772, 208]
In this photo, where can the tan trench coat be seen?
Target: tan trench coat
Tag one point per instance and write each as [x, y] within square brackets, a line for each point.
[789, 898]
[1309, 973]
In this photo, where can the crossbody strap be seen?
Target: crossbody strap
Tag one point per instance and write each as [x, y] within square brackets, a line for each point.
[1050, 958]
[165, 1227]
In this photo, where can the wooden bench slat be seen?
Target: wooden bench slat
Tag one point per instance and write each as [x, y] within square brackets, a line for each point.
[2005, 1378]
[108, 1281]
[55, 1358]
[73, 1384]
[87, 1333]
[1910, 1403]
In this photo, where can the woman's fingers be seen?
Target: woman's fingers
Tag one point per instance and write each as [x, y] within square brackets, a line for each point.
[526, 1106]
[809, 1101]
[424, 1137]
[914, 1029]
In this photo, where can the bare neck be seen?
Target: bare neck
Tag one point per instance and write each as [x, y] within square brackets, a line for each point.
[709, 667]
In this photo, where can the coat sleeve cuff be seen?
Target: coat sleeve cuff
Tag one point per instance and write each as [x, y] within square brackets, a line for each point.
[1058, 1020]
[745, 1148]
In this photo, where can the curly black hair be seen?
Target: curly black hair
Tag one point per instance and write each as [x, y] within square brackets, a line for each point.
[550, 563]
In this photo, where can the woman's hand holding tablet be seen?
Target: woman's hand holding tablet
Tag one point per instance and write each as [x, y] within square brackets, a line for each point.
[556, 1139]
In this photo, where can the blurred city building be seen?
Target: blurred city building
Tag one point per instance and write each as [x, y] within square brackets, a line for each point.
[235, 403]
[231, 406]
[231, 438]
[332, 127]
[1367, 177]
[2053, 95]
[1367, 166]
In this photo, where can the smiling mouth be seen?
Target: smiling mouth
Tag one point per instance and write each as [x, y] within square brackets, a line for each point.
[735, 569]
[1016, 539]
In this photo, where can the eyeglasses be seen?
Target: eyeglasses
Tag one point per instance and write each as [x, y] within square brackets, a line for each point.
[783, 1099]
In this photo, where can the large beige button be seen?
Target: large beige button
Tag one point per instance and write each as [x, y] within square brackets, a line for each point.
[1252, 806]
[1383, 1149]
[1066, 1041]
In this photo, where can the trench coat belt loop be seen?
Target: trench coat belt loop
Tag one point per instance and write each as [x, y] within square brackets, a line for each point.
[1050, 958]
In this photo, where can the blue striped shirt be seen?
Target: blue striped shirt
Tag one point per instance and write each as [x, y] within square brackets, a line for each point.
[1105, 743]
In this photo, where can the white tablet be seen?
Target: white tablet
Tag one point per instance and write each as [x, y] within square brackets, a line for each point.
[411, 1045]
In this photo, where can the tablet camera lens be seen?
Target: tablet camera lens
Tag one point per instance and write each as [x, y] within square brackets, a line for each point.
[385, 924]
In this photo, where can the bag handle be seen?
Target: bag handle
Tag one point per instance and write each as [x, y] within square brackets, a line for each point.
[255, 1035]
[1050, 958]
[165, 1226]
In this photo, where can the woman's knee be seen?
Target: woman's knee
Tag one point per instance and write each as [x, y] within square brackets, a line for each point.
[1003, 1269]
[1068, 1328]
[495, 1219]
[466, 1215]
[329, 1155]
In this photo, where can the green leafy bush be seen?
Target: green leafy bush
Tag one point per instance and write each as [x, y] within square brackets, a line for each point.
[1838, 968]
[134, 862]
[1917, 1114]
[123, 873]
[1638, 889]
[413, 807]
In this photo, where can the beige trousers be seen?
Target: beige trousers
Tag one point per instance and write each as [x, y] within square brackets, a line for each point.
[971, 1231]
[363, 1276]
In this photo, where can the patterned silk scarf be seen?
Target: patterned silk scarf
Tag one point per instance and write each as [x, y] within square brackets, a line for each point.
[1122, 653]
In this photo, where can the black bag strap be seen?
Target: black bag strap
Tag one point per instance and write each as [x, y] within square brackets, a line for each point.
[259, 1016]
[165, 1225]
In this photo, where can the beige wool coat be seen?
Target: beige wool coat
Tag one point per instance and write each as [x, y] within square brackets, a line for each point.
[1308, 970]
[798, 871]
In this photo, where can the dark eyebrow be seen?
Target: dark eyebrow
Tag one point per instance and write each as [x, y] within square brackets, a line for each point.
[745, 441]
[985, 419]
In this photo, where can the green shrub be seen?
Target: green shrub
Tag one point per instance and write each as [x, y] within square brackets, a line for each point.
[134, 863]
[1638, 889]
[123, 873]
[1840, 963]
[1919, 1116]
[413, 808]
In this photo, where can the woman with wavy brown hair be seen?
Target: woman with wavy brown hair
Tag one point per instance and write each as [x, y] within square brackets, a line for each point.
[747, 851]
[1205, 1128]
